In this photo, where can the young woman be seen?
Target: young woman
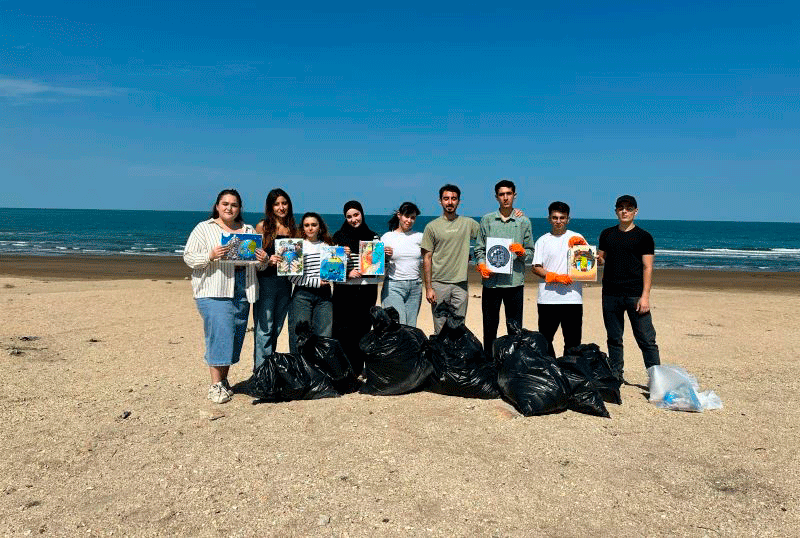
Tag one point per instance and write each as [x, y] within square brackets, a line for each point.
[402, 287]
[311, 300]
[353, 298]
[223, 291]
[275, 292]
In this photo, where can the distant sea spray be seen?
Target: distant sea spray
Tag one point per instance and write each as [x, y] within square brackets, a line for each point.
[736, 246]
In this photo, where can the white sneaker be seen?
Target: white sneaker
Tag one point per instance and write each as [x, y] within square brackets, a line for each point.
[217, 393]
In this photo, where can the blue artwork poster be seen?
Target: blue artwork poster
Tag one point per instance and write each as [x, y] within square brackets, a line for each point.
[371, 258]
[241, 247]
[332, 264]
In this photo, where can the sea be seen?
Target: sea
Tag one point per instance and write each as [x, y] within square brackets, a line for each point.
[697, 245]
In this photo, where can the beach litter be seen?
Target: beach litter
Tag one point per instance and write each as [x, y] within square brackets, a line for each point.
[538, 384]
[283, 377]
[672, 387]
[394, 356]
[460, 366]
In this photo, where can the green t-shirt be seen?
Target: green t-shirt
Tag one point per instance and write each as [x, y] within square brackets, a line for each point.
[449, 242]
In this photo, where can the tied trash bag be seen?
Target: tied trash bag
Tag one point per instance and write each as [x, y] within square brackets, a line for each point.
[460, 366]
[323, 352]
[672, 387]
[529, 378]
[394, 355]
[284, 377]
[584, 396]
[605, 382]
[518, 336]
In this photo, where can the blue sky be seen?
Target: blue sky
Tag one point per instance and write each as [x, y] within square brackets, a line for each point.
[694, 107]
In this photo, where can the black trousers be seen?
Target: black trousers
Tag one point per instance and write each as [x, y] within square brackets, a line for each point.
[491, 298]
[569, 316]
[351, 319]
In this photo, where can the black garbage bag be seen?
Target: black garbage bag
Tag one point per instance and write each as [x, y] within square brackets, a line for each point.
[284, 377]
[518, 336]
[528, 377]
[460, 366]
[604, 380]
[395, 360]
[323, 352]
[583, 396]
[533, 383]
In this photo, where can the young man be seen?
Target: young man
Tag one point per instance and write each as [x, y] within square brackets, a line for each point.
[627, 252]
[503, 288]
[560, 300]
[445, 255]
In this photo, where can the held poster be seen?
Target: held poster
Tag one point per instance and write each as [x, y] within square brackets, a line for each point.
[582, 263]
[291, 253]
[332, 264]
[371, 261]
[499, 259]
[241, 248]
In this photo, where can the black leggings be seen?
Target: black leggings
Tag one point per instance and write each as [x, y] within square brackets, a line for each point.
[351, 319]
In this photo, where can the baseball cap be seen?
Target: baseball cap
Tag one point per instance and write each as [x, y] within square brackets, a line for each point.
[626, 199]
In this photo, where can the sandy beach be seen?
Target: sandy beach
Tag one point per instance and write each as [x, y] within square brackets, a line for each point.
[107, 430]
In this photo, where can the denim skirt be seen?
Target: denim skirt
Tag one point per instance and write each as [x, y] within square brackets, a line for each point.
[225, 323]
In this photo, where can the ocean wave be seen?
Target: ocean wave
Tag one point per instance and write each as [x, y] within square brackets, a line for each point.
[732, 253]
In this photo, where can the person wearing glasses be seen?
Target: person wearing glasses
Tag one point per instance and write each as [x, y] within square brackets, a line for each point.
[627, 251]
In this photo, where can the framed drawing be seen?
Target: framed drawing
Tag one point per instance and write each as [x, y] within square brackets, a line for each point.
[498, 258]
[582, 263]
[332, 264]
[291, 253]
[371, 261]
[241, 248]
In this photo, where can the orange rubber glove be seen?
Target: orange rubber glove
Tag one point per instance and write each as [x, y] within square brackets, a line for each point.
[559, 279]
[517, 249]
[483, 270]
[576, 241]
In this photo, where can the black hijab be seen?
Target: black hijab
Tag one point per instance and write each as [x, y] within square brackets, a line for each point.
[347, 236]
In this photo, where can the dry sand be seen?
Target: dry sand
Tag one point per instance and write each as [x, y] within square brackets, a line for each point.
[106, 428]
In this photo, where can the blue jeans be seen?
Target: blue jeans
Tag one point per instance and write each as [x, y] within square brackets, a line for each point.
[225, 324]
[313, 305]
[405, 296]
[614, 309]
[269, 313]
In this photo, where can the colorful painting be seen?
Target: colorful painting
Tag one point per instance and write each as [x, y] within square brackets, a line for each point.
[241, 248]
[291, 253]
[332, 264]
[582, 260]
[499, 259]
[371, 261]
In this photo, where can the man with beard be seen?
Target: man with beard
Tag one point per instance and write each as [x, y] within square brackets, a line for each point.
[445, 255]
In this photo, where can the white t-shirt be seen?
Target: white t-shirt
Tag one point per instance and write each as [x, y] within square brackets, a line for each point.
[404, 264]
[551, 252]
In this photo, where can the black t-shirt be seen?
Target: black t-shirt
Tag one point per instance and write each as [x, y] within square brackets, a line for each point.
[624, 270]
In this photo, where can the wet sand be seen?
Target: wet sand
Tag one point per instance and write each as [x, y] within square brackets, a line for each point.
[79, 267]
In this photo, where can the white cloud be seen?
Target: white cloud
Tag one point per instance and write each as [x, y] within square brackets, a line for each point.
[21, 91]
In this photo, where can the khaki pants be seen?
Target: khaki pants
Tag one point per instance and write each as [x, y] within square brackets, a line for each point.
[453, 294]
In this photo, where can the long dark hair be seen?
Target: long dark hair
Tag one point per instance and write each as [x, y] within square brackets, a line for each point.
[271, 221]
[406, 209]
[323, 234]
[234, 192]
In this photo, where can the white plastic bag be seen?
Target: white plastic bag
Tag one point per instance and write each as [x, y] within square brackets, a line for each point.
[672, 387]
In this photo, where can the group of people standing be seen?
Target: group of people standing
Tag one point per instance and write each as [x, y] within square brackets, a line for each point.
[436, 260]
[224, 292]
